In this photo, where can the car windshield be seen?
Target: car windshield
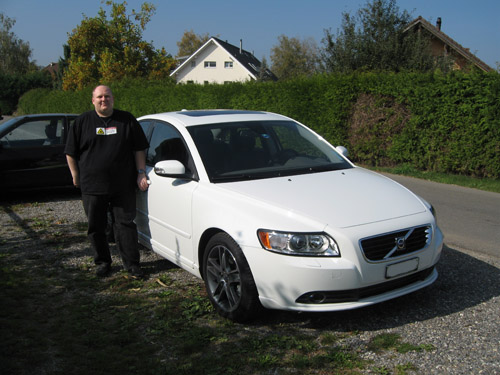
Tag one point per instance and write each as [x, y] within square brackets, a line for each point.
[262, 149]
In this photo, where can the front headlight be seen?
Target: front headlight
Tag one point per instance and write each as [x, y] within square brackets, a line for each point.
[304, 244]
[430, 207]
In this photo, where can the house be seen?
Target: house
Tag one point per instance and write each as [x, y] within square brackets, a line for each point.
[443, 45]
[220, 62]
[52, 69]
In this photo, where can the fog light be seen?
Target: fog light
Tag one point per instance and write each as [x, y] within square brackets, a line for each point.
[317, 297]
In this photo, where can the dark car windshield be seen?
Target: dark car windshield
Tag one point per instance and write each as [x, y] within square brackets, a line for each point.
[262, 149]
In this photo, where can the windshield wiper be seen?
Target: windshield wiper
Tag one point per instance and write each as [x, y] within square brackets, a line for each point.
[235, 177]
[244, 176]
[328, 167]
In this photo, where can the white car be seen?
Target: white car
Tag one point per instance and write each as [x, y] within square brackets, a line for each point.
[270, 214]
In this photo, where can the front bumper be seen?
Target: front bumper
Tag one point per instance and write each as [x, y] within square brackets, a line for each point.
[331, 284]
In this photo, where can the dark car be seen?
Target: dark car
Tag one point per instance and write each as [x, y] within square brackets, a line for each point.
[32, 152]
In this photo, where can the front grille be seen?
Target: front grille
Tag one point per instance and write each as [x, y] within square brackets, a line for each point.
[395, 244]
[353, 295]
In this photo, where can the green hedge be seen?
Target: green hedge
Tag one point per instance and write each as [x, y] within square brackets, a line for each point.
[444, 123]
[13, 86]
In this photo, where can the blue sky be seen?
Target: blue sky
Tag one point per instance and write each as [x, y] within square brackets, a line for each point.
[45, 24]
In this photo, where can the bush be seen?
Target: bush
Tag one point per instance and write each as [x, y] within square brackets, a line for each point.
[13, 86]
[438, 122]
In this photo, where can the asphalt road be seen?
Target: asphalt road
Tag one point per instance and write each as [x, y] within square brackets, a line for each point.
[469, 218]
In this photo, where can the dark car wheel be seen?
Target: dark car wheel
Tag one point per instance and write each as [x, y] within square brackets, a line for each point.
[228, 279]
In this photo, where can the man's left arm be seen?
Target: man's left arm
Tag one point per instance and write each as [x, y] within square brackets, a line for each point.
[140, 163]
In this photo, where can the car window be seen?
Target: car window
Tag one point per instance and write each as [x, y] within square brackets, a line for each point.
[262, 149]
[71, 121]
[35, 133]
[146, 126]
[168, 144]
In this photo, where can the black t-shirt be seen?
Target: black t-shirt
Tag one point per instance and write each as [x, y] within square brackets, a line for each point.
[105, 149]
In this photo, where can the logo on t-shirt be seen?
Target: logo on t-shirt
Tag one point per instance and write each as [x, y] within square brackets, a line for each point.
[106, 131]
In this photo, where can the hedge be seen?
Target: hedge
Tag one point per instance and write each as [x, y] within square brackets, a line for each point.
[13, 86]
[441, 122]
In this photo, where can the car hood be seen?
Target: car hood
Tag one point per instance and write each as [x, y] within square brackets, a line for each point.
[338, 199]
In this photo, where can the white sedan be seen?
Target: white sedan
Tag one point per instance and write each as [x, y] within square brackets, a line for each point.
[271, 215]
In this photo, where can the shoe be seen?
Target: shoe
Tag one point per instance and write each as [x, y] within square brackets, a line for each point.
[136, 271]
[103, 269]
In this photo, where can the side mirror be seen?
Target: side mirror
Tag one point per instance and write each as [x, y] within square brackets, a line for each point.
[170, 168]
[342, 150]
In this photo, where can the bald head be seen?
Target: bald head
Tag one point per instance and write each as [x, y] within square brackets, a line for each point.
[103, 101]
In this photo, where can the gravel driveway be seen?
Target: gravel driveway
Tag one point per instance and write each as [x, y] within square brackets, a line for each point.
[457, 318]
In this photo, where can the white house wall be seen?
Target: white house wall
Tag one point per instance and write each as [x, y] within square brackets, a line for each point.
[219, 74]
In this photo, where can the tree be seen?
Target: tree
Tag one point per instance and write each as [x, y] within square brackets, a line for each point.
[263, 71]
[107, 50]
[15, 54]
[293, 57]
[190, 42]
[62, 67]
[18, 73]
[375, 39]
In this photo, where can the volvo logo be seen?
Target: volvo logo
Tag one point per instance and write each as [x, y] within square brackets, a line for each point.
[400, 243]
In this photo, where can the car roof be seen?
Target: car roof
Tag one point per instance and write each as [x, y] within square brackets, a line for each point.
[211, 116]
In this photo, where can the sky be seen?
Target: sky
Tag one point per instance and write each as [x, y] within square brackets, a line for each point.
[46, 24]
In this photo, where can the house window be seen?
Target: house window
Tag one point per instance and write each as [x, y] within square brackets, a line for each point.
[193, 63]
[228, 64]
[210, 64]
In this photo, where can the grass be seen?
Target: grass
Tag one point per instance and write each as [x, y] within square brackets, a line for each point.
[486, 184]
[392, 341]
[62, 320]
[59, 318]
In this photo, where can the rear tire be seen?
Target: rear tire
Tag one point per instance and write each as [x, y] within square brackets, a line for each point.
[228, 279]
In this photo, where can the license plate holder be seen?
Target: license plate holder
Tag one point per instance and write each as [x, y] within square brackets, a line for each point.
[401, 268]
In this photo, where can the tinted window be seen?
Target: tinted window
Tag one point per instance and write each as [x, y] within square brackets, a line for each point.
[146, 126]
[263, 149]
[167, 144]
[35, 133]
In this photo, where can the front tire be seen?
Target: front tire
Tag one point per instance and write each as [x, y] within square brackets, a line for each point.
[228, 279]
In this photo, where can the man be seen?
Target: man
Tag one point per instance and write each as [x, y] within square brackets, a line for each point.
[105, 152]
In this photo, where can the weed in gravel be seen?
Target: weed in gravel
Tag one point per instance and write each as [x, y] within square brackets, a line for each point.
[381, 370]
[81, 226]
[403, 369]
[392, 341]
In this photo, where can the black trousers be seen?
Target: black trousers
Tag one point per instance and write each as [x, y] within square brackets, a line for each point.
[122, 206]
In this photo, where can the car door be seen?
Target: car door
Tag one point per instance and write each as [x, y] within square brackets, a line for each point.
[164, 210]
[32, 154]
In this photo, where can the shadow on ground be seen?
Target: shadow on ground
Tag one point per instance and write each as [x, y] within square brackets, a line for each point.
[464, 281]
[56, 194]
